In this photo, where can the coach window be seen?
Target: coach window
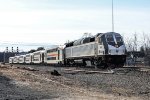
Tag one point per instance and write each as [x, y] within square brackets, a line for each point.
[51, 58]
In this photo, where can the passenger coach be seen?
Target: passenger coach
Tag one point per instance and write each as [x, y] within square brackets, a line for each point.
[54, 56]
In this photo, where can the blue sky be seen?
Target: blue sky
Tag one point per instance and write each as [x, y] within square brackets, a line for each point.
[57, 21]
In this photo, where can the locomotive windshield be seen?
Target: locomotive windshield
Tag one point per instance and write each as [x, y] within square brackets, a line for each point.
[119, 40]
[114, 39]
[110, 39]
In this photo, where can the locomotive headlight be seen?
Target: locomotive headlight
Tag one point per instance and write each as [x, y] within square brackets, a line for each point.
[116, 46]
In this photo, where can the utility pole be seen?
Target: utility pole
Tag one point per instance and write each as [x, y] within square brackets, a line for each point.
[112, 16]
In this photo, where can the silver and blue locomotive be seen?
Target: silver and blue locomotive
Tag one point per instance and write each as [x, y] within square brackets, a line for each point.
[101, 50]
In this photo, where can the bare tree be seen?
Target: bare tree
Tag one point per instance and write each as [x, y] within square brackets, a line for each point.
[129, 44]
[146, 47]
[135, 42]
[145, 42]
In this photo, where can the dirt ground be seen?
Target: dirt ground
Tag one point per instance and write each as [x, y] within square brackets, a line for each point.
[20, 84]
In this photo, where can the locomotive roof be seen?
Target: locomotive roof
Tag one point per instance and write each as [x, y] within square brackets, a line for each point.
[98, 34]
[40, 51]
[111, 33]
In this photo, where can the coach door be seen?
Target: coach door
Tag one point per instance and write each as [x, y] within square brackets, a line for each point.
[42, 57]
[31, 58]
[58, 54]
[24, 60]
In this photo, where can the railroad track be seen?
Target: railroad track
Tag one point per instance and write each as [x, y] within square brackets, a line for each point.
[123, 79]
[80, 70]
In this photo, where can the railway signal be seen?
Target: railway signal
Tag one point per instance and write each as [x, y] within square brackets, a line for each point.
[17, 49]
[6, 49]
[12, 49]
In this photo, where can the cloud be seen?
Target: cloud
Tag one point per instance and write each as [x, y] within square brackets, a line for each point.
[56, 22]
[52, 25]
[49, 22]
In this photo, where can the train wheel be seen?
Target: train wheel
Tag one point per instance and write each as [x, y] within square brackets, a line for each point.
[95, 63]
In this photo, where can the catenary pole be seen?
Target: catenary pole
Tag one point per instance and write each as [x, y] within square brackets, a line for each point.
[112, 16]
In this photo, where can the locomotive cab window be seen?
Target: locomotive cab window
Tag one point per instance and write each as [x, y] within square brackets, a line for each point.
[109, 38]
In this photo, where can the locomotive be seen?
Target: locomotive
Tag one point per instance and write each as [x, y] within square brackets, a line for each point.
[102, 50]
